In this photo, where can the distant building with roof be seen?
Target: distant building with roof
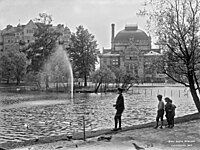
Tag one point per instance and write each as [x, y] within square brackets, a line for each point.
[16, 37]
[131, 50]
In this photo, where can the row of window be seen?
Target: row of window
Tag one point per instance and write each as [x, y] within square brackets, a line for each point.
[29, 31]
[15, 41]
[114, 61]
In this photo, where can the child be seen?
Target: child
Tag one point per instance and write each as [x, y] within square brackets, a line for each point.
[168, 108]
[160, 112]
[172, 114]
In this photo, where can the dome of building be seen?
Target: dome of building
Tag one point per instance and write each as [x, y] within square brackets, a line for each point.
[130, 32]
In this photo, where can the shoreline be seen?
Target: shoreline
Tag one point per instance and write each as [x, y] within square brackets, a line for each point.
[91, 134]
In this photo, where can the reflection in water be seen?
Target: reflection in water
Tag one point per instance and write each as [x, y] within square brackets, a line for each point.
[48, 114]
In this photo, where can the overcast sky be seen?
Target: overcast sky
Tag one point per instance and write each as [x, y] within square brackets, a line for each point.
[94, 15]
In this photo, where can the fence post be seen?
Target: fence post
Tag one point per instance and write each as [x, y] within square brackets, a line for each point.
[84, 137]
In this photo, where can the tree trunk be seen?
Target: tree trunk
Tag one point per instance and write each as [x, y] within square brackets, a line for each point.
[194, 92]
[8, 81]
[85, 80]
[47, 82]
[97, 88]
[18, 81]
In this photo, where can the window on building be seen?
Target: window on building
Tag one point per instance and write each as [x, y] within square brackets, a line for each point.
[115, 61]
[105, 61]
[29, 31]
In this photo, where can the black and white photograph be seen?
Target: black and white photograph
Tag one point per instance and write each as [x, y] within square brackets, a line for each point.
[99, 74]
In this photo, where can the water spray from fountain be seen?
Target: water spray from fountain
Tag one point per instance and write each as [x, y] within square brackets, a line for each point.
[58, 68]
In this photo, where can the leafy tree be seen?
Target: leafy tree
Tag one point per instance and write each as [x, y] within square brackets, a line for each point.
[82, 53]
[13, 65]
[177, 25]
[127, 78]
[6, 66]
[119, 74]
[45, 42]
[102, 75]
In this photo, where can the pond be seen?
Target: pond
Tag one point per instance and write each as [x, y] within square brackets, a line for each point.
[48, 114]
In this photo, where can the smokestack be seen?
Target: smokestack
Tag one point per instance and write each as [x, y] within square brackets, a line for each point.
[112, 34]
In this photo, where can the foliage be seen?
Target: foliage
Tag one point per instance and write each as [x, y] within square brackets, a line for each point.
[119, 74]
[82, 53]
[102, 75]
[177, 26]
[45, 42]
[13, 65]
[127, 78]
[44, 18]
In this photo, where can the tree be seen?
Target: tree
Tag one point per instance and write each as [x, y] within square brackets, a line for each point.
[44, 45]
[128, 79]
[177, 25]
[119, 74]
[13, 65]
[102, 75]
[6, 66]
[82, 53]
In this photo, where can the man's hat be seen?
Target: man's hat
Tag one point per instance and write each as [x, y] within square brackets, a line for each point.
[159, 96]
[167, 99]
[120, 89]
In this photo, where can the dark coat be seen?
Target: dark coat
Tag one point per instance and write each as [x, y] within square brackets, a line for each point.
[120, 103]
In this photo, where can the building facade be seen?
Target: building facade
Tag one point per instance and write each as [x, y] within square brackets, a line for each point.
[131, 50]
[22, 35]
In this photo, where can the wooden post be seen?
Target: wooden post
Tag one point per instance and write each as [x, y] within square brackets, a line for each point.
[171, 93]
[179, 93]
[84, 137]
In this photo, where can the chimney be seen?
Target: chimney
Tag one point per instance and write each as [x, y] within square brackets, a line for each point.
[112, 35]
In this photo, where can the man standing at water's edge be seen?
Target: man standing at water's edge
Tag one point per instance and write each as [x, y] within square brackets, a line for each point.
[120, 108]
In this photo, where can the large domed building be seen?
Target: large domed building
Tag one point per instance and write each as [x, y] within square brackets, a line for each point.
[131, 50]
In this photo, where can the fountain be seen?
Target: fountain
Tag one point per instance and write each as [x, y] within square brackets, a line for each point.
[58, 69]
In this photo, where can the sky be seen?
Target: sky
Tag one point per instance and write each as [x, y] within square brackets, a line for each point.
[95, 15]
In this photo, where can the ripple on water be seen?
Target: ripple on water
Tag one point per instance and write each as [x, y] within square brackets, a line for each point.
[50, 115]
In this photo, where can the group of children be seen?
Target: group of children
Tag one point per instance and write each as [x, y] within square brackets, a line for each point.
[168, 109]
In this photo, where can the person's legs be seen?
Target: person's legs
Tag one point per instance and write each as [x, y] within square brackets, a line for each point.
[170, 119]
[172, 123]
[167, 117]
[116, 121]
[157, 121]
[119, 118]
[161, 118]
